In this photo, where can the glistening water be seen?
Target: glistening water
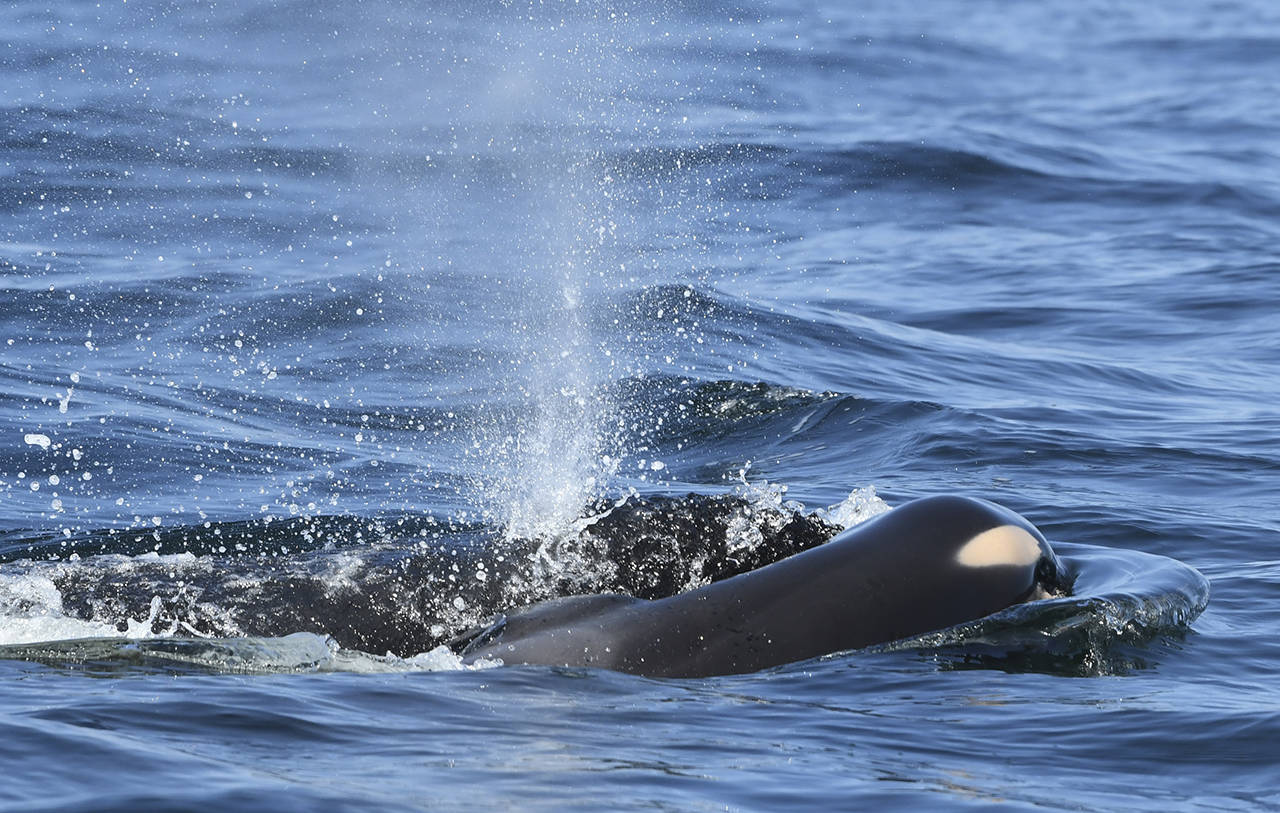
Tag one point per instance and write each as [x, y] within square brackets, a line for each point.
[328, 330]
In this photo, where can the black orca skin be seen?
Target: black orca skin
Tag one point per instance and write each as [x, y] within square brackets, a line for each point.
[926, 565]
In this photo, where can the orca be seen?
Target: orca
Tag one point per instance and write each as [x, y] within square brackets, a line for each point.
[926, 565]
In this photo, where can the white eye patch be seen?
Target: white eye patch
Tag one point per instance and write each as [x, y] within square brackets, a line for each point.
[1005, 545]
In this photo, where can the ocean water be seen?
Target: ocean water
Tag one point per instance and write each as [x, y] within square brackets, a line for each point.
[328, 330]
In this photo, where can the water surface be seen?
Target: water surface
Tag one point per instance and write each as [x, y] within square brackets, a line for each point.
[299, 303]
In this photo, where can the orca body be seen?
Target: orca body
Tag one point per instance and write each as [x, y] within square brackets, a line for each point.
[926, 565]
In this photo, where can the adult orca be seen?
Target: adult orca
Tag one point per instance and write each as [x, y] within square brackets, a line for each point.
[926, 565]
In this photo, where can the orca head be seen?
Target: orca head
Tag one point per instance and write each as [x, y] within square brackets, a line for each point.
[1009, 540]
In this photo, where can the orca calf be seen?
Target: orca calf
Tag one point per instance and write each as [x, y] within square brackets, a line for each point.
[926, 565]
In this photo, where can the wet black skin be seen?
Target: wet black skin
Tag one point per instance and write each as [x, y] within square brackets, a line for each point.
[889, 578]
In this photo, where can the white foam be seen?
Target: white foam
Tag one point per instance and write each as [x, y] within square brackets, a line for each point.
[440, 659]
[23, 594]
[31, 612]
[37, 439]
[861, 505]
[763, 494]
[38, 629]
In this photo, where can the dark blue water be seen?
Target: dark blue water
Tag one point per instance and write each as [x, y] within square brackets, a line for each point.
[323, 327]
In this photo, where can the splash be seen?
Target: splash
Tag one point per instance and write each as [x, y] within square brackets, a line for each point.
[31, 606]
[558, 105]
[559, 453]
[861, 505]
[767, 511]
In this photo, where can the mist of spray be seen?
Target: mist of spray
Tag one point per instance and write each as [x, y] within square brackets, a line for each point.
[567, 82]
[560, 459]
